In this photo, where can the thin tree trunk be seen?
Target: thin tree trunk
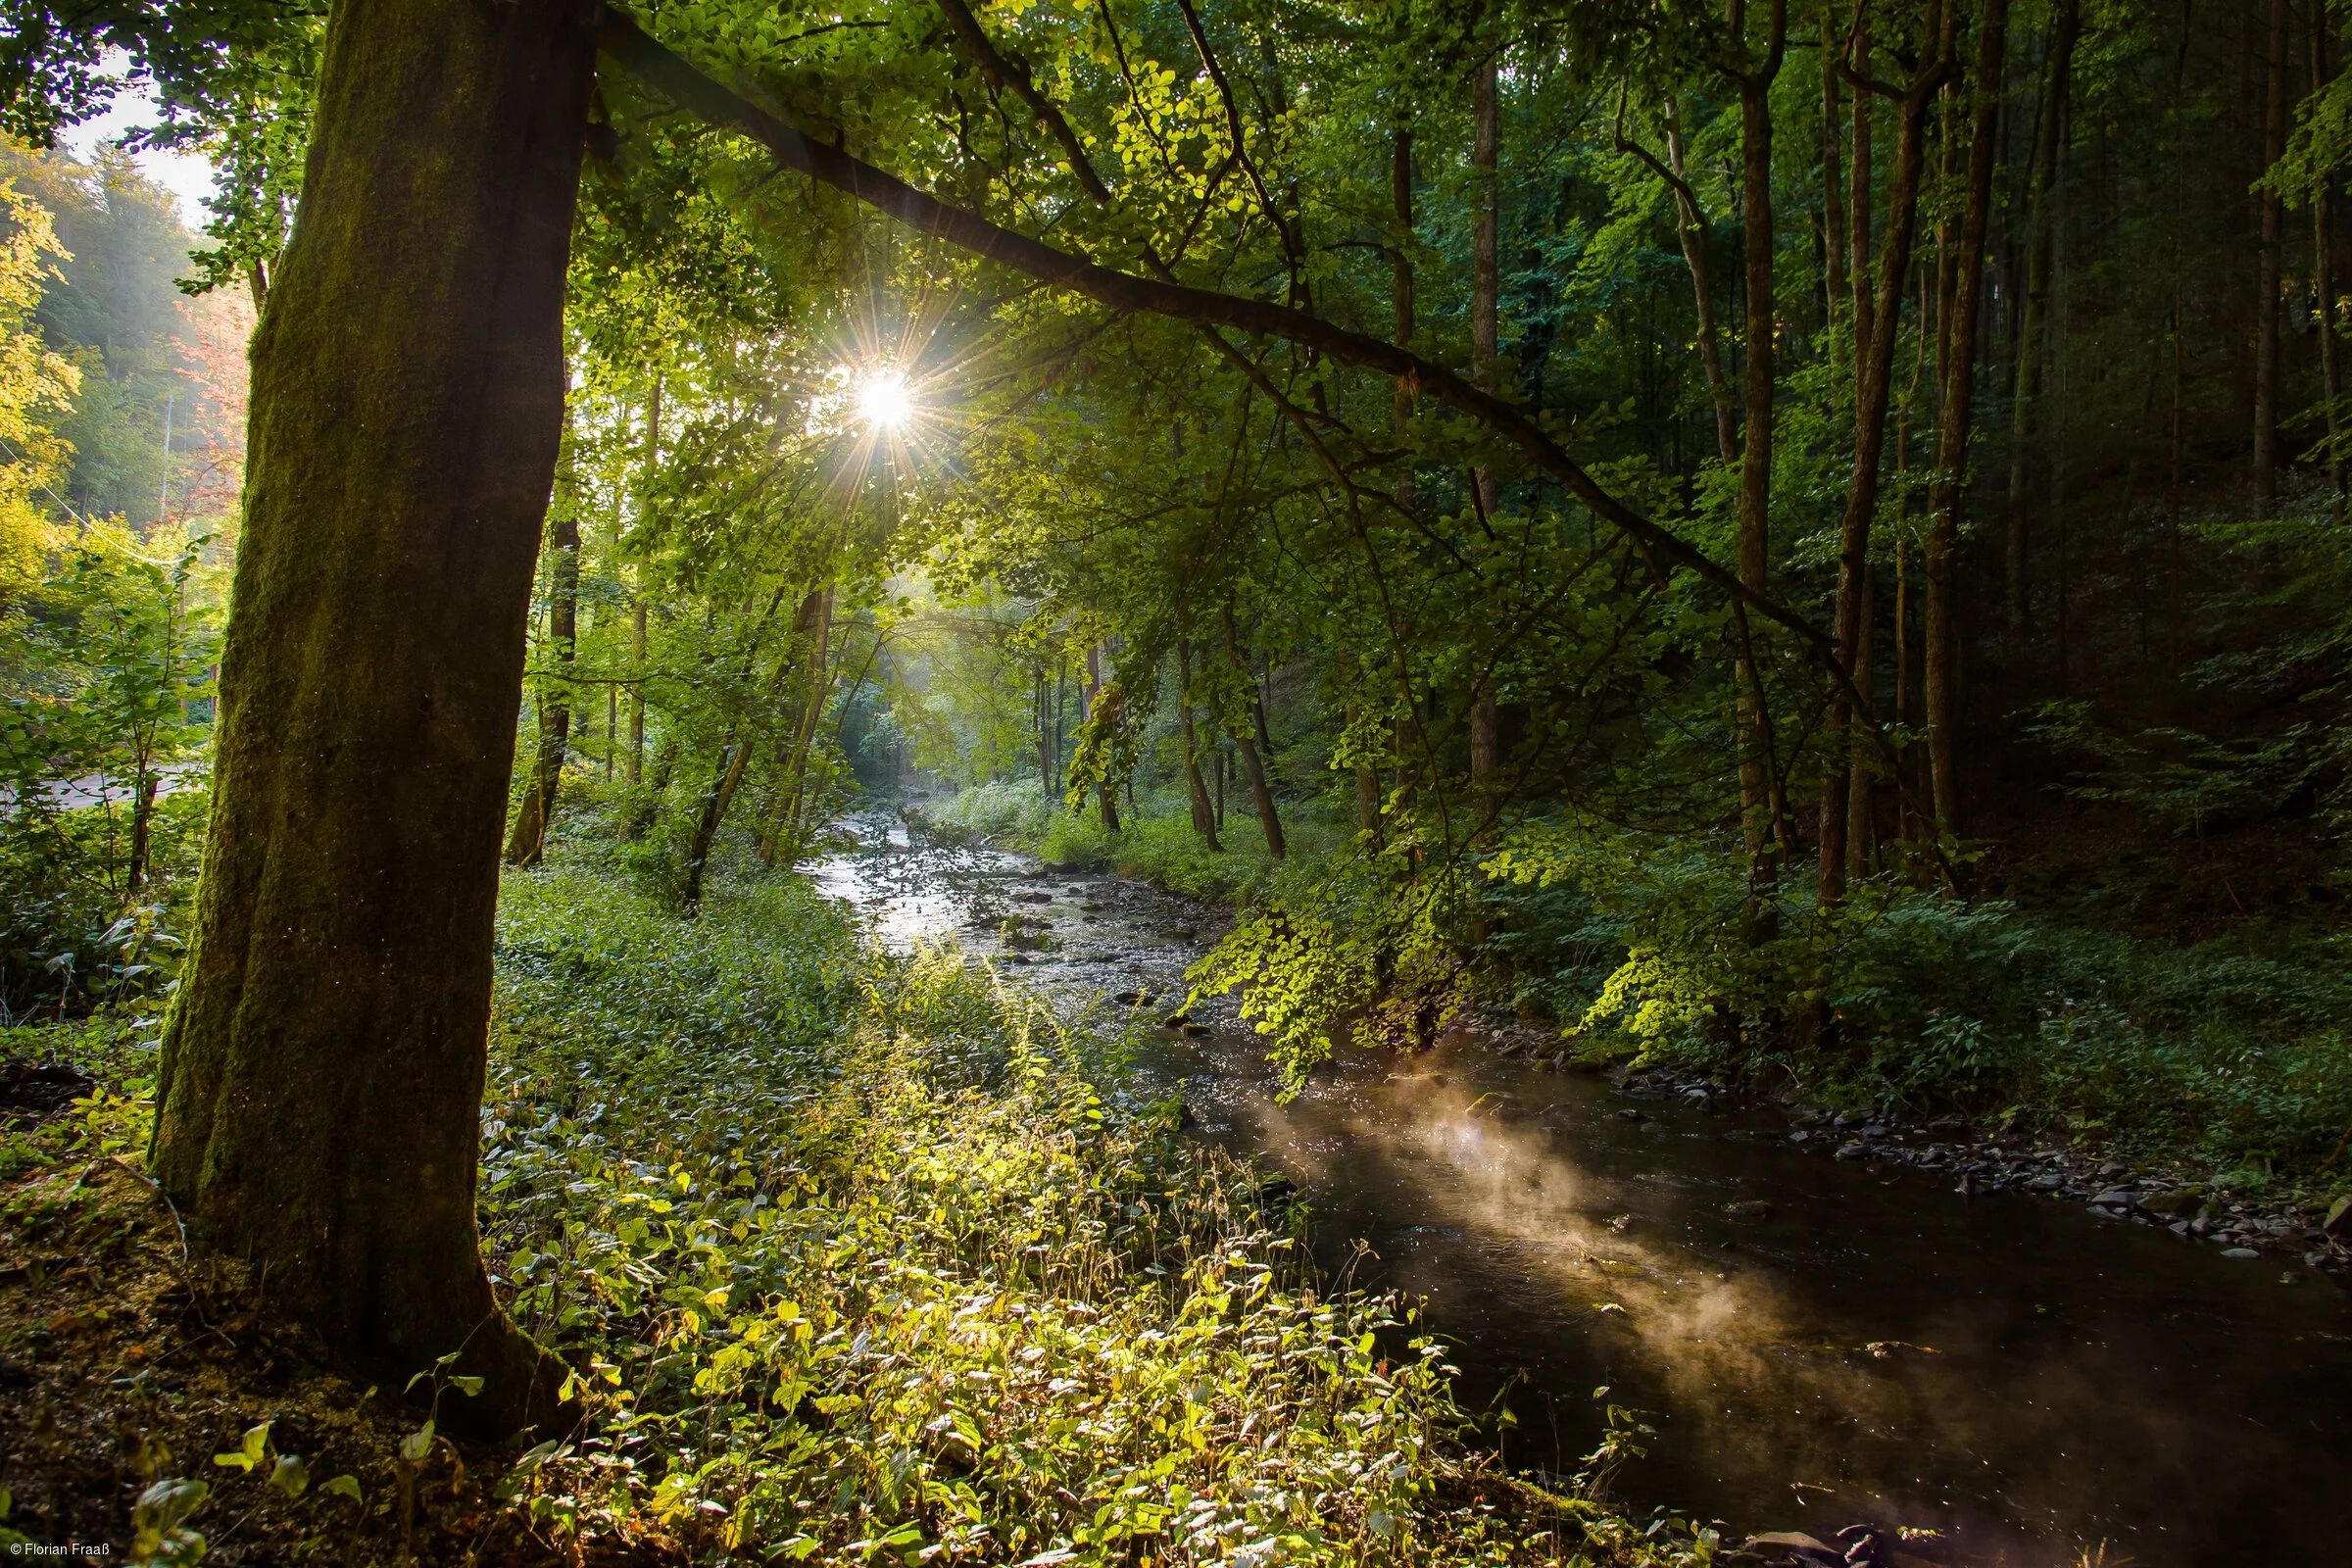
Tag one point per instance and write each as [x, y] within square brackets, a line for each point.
[1861, 199]
[1835, 300]
[637, 625]
[1252, 763]
[142, 828]
[2050, 146]
[1108, 789]
[1258, 696]
[321, 1092]
[1401, 291]
[735, 754]
[637, 652]
[2271, 274]
[1904, 826]
[1485, 288]
[1045, 737]
[2322, 273]
[1856, 805]
[1485, 279]
[1950, 487]
[528, 841]
[1691, 227]
[734, 761]
[1205, 811]
[815, 629]
[1881, 314]
[1763, 820]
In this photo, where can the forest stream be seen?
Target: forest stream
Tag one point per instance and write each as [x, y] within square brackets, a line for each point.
[1817, 1342]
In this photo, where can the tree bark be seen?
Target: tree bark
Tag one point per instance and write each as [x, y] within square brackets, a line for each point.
[2269, 273]
[322, 1070]
[1044, 735]
[1858, 834]
[1692, 229]
[1485, 275]
[1834, 297]
[1861, 199]
[1205, 812]
[2049, 145]
[1486, 310]
[1877, 321]
[2323, 274]
[1400, 290]
[1253, 765]
[743, 738]
[527, 843]
[1950, 485]
[1765, 827]
[735, 756]
[142, 828]
[637, 623]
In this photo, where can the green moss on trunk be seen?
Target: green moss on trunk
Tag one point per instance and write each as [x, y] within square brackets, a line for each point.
[322, 1069]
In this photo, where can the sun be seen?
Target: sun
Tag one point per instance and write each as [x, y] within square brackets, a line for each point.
[884, 400]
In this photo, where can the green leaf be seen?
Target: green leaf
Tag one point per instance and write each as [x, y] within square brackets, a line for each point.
[345, 1485]
[418, 1443]
[538, 1455]
[290, 1475]
[468, 1386]
[162, 1506]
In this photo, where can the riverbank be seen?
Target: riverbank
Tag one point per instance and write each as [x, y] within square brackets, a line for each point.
[857, 1259]
[1817, 1342]
[2092, 1097]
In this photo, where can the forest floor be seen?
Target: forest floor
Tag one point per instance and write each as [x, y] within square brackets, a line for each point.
[857, 1259]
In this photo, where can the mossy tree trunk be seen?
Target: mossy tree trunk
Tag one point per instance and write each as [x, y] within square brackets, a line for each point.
[322, 1072]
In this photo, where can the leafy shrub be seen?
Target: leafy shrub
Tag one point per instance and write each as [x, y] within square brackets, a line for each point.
[103, 690]
[1015, 812]
[1904, 995]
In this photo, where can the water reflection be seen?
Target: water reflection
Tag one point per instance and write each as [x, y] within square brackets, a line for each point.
[1817, 1342]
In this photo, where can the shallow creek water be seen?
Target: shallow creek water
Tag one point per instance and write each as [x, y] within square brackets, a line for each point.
[2008, 1371]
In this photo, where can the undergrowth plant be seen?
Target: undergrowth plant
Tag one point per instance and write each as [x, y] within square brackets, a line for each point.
[871, 1259]
[1156, 842]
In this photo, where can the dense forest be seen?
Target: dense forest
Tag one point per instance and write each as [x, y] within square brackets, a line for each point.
[1795, 552]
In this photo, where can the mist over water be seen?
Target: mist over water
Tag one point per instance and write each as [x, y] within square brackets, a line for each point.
[1816, 1342]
